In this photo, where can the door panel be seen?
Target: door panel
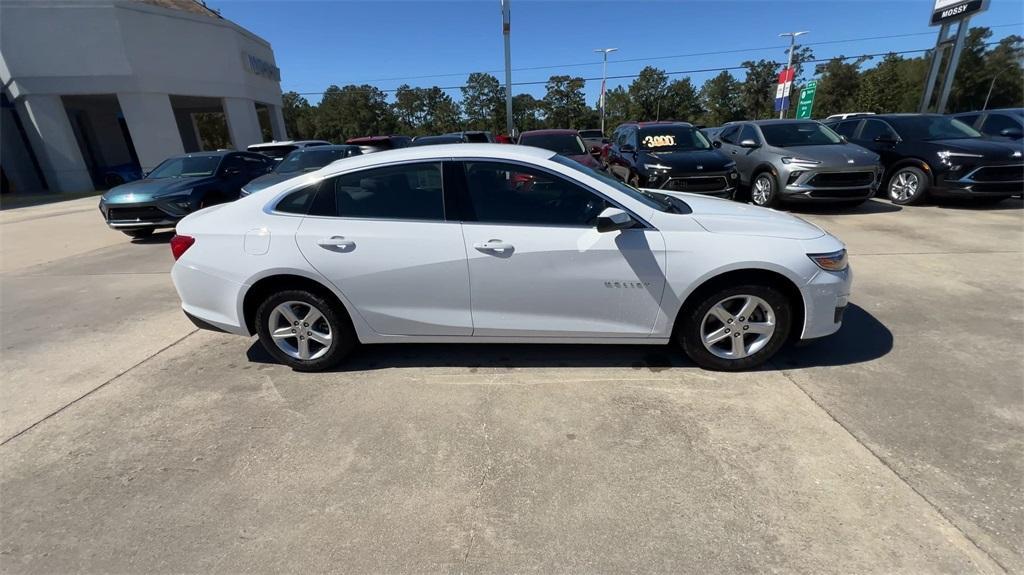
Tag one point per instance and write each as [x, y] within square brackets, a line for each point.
[564, 281]
[403, 277]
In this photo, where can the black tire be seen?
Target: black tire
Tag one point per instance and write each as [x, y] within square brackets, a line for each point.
[689, 337]
[771, 197]
[343, 336]
[895, 184]
[139, 233]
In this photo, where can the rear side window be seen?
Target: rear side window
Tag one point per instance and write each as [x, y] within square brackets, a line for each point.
[299, 201]
[406, 192]
[845, 128]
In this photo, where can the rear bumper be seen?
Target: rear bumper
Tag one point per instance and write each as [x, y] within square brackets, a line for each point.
[208, 300]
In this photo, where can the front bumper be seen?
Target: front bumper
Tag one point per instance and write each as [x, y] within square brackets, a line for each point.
[140, 215]
[825, 184]
[987, 180]
[718, 184]
[825, 297]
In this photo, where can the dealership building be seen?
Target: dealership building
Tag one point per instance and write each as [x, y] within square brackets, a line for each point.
[95, 90]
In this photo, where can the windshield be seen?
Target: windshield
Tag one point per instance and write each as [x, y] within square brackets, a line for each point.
[565, 144]
[932, 128]
[660, 202]
[798, 134]
[186, 167]
[672, 139]
[276, 152]
[308, 160]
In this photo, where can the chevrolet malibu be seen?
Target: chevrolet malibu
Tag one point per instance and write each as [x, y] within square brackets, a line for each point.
[475, 243]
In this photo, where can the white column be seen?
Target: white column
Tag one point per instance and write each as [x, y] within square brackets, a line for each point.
[53, 140]
[277, 123]
[243, 123]
[151, 123]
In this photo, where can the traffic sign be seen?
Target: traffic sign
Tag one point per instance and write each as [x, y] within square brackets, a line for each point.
[806, 102]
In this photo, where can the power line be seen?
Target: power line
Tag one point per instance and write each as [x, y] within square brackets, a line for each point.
[669, 57]
[676, 73]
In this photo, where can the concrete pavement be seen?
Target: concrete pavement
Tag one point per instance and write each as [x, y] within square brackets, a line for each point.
[140, 445]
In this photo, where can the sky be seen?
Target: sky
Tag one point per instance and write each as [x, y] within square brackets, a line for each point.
[386, 43]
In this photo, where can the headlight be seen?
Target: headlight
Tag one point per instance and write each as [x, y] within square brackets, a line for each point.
[803, 161]
[832, 262]
[656, 167]
[947, 154]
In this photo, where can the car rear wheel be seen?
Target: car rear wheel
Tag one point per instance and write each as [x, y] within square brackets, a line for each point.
[304, 331]
[736, 328]
[139, 234]
[908, 185]
[764, 191]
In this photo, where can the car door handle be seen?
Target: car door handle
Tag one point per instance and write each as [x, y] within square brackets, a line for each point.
[335, 242]
[494, 246]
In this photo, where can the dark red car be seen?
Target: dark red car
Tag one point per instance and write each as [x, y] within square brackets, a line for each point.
[565, 142]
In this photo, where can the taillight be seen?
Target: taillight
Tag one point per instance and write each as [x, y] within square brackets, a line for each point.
[179, 244]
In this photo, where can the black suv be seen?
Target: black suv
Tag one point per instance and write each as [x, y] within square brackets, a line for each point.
[929, 154]
[672, 156]
[1006, 123]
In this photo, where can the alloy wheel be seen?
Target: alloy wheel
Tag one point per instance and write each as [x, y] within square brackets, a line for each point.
[300, 330]
[904, 185]
[738, 326]
[761, 191]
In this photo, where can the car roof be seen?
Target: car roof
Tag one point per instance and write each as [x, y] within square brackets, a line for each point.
[446, 151]
[286, 143]
[1009, 110]
[326, 147]
[779, 121]
[549, 132]
[651, 123]
[206, 154]
[371, 139]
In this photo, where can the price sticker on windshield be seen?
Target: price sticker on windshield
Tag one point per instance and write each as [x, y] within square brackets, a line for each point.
[659, 141]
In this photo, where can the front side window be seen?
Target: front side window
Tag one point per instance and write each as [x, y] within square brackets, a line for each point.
[749, 133]
[405, 192]
[565, 144]
[875, 129]
[186, 167]
[673, 138]
[728, 135]
[793, 134]
[515, 194]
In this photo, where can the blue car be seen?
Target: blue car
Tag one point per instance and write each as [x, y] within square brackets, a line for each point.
[179, 186]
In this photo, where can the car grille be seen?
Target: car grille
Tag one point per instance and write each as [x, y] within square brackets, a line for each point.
[842, 179]
[697, 184]
[999, 174]
[143, 214]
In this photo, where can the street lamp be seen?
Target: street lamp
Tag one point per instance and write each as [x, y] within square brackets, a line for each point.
[506, 31]
[792, 47]
[991, 85]
[604, 78]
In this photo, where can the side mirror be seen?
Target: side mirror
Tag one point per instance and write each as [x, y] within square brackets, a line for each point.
[612, 219]
[748, 144]
[716, 144]
[232, 172]
[844, 140]
[1014, 133]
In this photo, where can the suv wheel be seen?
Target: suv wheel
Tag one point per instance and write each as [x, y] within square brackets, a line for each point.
[736, 328]
[907, 185]
[764, 190]
[304, 331]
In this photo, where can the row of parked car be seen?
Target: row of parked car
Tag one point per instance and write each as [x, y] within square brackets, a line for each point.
[846, 159]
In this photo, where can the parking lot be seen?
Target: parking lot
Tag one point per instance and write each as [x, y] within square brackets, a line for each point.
[133, 442]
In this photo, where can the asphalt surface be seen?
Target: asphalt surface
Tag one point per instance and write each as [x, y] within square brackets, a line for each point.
[133, 443]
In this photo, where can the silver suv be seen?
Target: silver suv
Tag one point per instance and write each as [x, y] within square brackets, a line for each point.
[798, 160]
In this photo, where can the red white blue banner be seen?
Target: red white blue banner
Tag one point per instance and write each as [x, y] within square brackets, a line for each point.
[783, 89]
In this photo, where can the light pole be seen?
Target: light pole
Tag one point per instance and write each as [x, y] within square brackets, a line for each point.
[991, 85]
[789, 64]
[604, 78]
[506, 25]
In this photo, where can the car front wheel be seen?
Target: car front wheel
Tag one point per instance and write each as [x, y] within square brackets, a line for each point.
[736, 328]
[907, 186]
[763, 192]
[304, 331]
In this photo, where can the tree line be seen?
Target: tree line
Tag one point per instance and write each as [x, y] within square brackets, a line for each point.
[844, 84]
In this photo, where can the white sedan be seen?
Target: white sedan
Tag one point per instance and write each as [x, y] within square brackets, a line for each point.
[511, 244]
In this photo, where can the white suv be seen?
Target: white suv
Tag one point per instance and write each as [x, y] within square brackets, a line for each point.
[493, 243]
